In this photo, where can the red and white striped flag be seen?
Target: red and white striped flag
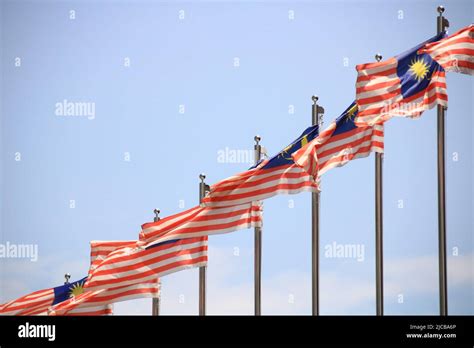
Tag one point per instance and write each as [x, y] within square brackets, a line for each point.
[36, 303]
[202, 221]
[142, 263]
[340, 143]
[454, 53]
[99, 302]
[405, 85]
[101, 249]
[277, 175]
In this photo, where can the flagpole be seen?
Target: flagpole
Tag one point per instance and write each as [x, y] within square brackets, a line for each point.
[203, 188]
[378, 227]
[258, 245]
[317, 112]
[156, 301]
[442, 24]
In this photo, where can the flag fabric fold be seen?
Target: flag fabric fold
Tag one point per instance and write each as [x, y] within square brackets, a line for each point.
[142, 263]
[340, 143]
[405, 86]
[277, 175]
[99, 302]
[202, 221]
[101, 249]
[36, 303]
[454, 53]
[39, 302]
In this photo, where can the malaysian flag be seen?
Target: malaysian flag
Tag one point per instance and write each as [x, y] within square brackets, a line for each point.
[340, 143]
[404, 85]
[202, 221]
[143, 263]
[277, 175]
[37, 303]
[454, 53]
[100, 249]
[98, 302]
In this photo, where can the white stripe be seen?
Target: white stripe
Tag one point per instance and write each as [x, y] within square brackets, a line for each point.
[344, 141]
[378, 92]
[377, 69]
[259, 175]
[157, 240]
[268, 184]
[377, 80]
[111, 264]
[348, 151]
[273, 193]
[199, 212]
[137, 270]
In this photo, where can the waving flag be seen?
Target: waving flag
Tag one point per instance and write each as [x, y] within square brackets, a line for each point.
[277, 175]
[38, 302]
[404, 85]
[340, 143]
[99, 302]
[454, 53]
[202, 221]
[142, 263]
[100, 250]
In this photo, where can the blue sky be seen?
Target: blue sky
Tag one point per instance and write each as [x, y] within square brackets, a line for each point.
[175, 83]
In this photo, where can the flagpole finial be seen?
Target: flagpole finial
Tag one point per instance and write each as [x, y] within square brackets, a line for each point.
[315, 98]
[202, 176]
[257, 139]
[378, 57]
[67, 276]
[440, 10]
[157, 212]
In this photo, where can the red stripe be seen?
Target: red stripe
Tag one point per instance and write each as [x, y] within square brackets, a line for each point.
[172, 217]
[185, 230]
[379, 98]
[259, 182]
[449, 41]
[145, 263]
[381, 85]
[112, 297]
[432, 85]
[352, 144]
[32, 305]
[255, 193]
[373, 65]
[349, 157]
[145, 252]
[105, 311]
[459, 63]
[151, 272]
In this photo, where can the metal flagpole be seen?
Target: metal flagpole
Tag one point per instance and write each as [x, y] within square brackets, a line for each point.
[258, 244]
[156, 301]
[203, 188]
[378, 226]
[317, 114]
[442, 24]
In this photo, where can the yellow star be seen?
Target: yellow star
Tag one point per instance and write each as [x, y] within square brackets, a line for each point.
[419, 69]
[76, 289]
